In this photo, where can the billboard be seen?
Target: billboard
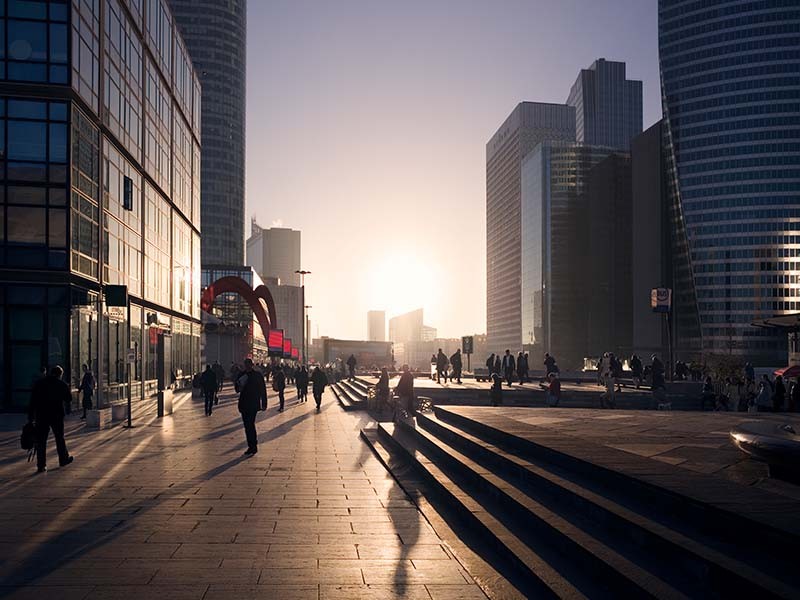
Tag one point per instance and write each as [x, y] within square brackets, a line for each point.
[661, 300]
[275, 342]
[287, 347]
[295, 353]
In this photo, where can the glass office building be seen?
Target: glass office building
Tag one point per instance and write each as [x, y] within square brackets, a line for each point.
[216, 36]
[100, 186]
[730, 76]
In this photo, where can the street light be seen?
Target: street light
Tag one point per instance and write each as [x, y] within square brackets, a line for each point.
[303, 273]
[305, 322]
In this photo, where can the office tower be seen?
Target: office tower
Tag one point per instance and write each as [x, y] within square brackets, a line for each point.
[376, 326]
[732, 110]
[216, 36]
[275, 253]
[99, 113]
[651, 265]
[529, 124]
[608, 107]
[406, 327]
[556, 283]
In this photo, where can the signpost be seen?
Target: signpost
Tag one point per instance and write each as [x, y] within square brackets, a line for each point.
[661, 302]
[467, 346]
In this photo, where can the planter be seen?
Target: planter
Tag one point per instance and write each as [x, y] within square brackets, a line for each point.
[99, 418]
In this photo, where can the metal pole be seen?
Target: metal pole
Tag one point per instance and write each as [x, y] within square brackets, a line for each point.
[668, 317]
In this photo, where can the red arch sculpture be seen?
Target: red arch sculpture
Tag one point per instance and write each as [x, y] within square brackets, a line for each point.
[257, 299]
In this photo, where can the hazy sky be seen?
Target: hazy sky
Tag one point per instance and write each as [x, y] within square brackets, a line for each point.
[366, 129]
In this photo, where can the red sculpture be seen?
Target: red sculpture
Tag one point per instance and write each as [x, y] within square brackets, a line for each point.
[259, 299]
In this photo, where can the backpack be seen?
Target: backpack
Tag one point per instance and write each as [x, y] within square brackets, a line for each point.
[27, 439]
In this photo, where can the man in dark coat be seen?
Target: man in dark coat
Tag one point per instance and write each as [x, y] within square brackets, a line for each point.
[351, 365]
[302, 384]
[405, 393]
[456, 364]
[441, 366]
[318, 380]
[46, 411]
[279, 385]
[208, 383]
[252, 397]
[509, 367]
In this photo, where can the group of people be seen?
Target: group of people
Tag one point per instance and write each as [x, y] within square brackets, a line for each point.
[507, 368]
[448, 367]
[747, 395]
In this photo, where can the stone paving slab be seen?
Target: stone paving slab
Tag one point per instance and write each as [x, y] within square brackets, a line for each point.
[172, 510]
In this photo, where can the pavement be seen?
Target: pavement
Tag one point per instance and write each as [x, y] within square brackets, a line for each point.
[172, 510]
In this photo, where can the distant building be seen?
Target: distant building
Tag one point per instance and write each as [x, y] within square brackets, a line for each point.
[370, 355]
[274, 253]
[529, 124]
[608, 107]
[376, 326]
[288, 309]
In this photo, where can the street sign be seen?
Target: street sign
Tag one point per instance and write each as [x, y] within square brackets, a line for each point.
[467, 344]
[661, 300]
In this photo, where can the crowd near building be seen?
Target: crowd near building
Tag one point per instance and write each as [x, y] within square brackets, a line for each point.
[100, 109]
[586, 213]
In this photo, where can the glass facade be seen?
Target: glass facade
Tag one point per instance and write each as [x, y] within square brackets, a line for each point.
[92, 103]
[730, 74]
[215, 34]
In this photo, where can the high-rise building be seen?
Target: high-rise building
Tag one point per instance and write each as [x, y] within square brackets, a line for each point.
[100, 187]
[216, 37]
[376, 326]
[406, 327]
[556, 284]
[529, 124]
[275, 253]
[608, 107]
[729, 74]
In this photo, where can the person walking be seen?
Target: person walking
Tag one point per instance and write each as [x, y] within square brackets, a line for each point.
[609, 398]
[521, 367]
[636, 370]
[405, 393]
[220, 373]
[549, 364]
[351, 365]
[763, 401]
[87, 389]
[456, 364]
[656, 372]
[279, 385]
[252, 398]
[208, 383]
[498, 366]
[441, 366]
[46, 411]
[301, 381]
[508, 367]
[778, 395]
[318, 382]
[490, 365]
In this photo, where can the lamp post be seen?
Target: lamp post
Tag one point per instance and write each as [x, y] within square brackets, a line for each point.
[308, 333]
[303, 273]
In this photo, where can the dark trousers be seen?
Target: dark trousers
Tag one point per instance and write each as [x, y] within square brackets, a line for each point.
[280, 399]
[249, 420]
[42, 431]
[302, 394]
[352, 372]
[509, 375]
[209, 394]
[87, 403]
[318, 398]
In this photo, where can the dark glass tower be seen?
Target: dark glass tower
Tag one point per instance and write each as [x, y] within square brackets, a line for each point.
[730, 75]
[216, 35]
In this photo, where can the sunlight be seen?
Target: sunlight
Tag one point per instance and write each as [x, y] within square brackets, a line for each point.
[400, 282]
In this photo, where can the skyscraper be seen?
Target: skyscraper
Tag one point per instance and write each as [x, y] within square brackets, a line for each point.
[731, 101]
[376, 326]
[608, 107]
[529, 124]
[275, 253]
[216, 36]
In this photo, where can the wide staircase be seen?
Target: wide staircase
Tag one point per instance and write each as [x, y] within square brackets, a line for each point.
[351, 395]
[557, 525]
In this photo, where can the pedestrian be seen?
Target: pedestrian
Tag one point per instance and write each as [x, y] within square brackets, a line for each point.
[763, 401]
[656, 372]
[496, 391]
[508, 367]
[549, 364]
[441, 366]
[405, 394]
[208, 384]
[636, 370]
[609, 398]
[521, 367]
[351, 365]
[527, 368]
[87, 389]
[301, 381]
[729, 399]
[318, 383]
[220, 373]
[252, 398]
[708, 394]
[279, 385]
[457, 364]
[490, 364]
[498, 365]
[46, 411]
[553, 388]
[382, 390]
[778, 395]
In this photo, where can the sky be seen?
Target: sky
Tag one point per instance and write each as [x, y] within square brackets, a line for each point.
[367, 123]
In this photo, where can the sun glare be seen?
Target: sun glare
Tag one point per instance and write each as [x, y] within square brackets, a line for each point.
[401, 282]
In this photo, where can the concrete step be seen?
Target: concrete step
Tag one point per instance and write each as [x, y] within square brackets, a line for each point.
[536, 525]
[687, 564]
[531, 572]
[732, 547]
[343, 398]
[357, 393]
